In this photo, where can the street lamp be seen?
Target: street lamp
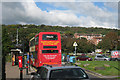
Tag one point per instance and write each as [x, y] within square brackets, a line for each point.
[21, 37]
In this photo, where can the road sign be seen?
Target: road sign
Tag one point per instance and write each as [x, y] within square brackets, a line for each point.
[75, 44]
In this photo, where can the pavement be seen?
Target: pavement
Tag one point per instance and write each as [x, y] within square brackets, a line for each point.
[13, 72]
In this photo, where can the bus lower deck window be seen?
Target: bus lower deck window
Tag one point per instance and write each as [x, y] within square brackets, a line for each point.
[49, 51]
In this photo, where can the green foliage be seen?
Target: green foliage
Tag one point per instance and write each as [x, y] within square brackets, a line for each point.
[83, 45]
[109, 42]
[8, 58]
[6, 42]
[26, 32]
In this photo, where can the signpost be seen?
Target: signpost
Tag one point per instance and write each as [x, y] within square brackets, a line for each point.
[75, 44]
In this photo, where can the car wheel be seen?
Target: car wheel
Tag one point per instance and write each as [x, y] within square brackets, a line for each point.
[86, 59]
[78, 60]
[105, 60]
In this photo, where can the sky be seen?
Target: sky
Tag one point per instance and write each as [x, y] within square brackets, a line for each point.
[61, 13]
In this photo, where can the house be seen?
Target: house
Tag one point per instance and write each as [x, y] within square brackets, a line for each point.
[94, 38]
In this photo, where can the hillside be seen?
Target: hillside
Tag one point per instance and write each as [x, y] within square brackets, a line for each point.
[26, 32]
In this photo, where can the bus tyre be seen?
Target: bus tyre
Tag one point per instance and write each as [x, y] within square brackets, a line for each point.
[116, 60]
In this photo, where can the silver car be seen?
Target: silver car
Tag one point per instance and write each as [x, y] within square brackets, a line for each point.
[101, 57]
[60, 73]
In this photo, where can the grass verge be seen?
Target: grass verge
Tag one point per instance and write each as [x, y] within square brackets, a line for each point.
[111, 70]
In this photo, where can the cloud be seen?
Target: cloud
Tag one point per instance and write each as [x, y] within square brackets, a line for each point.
[113, 5]
[89, 10]
[76, 14]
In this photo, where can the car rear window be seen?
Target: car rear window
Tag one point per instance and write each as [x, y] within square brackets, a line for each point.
[68, 73]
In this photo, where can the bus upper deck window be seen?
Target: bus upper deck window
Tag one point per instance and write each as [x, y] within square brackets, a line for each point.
[49, 37]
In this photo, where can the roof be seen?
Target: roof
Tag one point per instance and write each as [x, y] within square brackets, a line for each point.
[61, 67]
[16, 50]
[97, 37]
[88, 34]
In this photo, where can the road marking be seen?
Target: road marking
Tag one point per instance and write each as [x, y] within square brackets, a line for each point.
[94, 74]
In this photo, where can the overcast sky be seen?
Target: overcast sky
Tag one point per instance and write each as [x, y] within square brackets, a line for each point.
[66, 13]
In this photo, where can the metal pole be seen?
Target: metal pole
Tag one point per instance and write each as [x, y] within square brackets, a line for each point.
[75, 50]
[23, 54]
[116, 46]
[21, 74]
[17, 37]
[29, 60]
[27, 68]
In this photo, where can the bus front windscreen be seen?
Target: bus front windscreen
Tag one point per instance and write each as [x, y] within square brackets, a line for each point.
[49, 37]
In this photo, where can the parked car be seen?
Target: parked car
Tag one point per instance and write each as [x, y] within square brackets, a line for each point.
[101, 57]
[115, 55]
[59, 73]
[83, 58]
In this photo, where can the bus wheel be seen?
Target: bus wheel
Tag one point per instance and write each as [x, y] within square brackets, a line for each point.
[116, 60]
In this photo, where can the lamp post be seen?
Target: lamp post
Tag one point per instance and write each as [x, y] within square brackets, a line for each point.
[20, 38]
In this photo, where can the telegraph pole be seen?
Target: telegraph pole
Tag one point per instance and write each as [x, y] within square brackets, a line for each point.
[17, 37]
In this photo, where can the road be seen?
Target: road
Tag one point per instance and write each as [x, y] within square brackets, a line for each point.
[94, 77]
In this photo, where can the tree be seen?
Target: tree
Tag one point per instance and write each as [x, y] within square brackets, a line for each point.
[109, 42]
[83, 45]
[7, 43]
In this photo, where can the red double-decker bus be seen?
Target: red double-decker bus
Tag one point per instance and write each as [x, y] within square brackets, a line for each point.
[46, 49]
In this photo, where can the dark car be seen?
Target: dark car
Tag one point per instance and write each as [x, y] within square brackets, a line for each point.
[83, 58]
[60, 73]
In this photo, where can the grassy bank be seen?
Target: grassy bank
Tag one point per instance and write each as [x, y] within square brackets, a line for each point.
[111, 70]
